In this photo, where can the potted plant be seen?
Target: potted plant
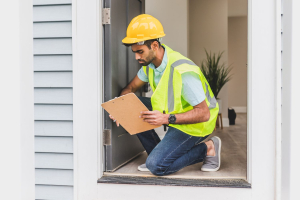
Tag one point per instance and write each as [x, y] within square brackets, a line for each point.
[216, 74]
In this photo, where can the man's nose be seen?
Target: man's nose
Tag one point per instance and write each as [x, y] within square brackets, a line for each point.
[137, 56]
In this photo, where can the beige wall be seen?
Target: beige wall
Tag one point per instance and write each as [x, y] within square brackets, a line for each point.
[237, 56]
[208, 29]
[173, 14]
[237, 8]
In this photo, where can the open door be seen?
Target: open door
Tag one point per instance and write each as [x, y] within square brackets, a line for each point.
[120, 67]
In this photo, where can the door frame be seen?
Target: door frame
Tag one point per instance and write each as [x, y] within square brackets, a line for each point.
[263, 116]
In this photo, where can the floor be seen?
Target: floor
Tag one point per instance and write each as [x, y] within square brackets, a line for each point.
[233, 157]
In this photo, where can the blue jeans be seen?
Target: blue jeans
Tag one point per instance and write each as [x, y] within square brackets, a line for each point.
[174, 152]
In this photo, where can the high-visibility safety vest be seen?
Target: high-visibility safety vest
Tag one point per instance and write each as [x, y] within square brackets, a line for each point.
[167, 94]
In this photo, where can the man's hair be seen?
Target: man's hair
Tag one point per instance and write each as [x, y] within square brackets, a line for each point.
[147, 43]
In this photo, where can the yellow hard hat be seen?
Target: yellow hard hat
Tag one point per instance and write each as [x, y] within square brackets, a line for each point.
[143, 27]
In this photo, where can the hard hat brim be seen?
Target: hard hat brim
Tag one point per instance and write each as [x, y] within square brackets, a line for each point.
[128, 40]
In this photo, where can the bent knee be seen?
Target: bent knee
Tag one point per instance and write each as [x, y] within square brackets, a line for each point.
[155, 166]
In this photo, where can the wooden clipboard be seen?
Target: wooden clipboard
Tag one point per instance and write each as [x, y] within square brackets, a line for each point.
[126, 110]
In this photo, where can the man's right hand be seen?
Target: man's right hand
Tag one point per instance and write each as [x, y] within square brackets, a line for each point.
[111, 117]
[133, 86]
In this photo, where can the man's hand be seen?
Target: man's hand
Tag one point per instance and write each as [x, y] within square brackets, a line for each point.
[155, 117]
[114, 120]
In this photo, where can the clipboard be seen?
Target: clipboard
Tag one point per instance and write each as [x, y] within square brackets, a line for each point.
[126, 110]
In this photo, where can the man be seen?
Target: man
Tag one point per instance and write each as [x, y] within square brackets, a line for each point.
[182, 99]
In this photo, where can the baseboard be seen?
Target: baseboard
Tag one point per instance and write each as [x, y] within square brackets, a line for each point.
[239, 109]
[225, 122]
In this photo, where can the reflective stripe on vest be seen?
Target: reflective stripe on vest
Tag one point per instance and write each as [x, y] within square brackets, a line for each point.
[212, 101]
[170, 86]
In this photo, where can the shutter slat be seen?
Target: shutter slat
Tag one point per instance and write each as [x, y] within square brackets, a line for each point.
[53, 79]
[53, 192]
[51, 95]
[52, 62]
[53, 128]
[53, 161]
[53, 144]
[52, 13]
[52, 46]
[53, 112]
[52, 29]
[53, 177]
[49, 2]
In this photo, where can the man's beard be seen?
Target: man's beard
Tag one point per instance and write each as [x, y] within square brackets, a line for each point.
[148, 60]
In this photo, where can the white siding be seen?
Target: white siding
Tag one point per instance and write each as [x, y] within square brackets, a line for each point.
[53, 79]
[52, 13]
[53, 99]
[53, 112]
[53, 95]
[54, 144]
[51, 2]
[52, 29]
[54, 192]
[52, 46]
[53, 63]
[53, 128]
[54, 177]
[53, 161]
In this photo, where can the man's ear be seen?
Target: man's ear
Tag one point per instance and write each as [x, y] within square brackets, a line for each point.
[154, 45]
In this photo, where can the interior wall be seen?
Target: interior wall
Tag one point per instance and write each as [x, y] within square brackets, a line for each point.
[208, 28]
[237, 57]
[237, 8]
[174, 21]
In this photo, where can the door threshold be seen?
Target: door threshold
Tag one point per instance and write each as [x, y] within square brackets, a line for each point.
[150, 175]
[166, 181]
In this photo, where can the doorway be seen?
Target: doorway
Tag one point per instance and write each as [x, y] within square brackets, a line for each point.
[190, 27]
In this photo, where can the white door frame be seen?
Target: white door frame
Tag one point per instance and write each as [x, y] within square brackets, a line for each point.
[263, 114]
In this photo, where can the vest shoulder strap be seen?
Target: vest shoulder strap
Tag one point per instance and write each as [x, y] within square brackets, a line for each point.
[145, 70]
[192, 68]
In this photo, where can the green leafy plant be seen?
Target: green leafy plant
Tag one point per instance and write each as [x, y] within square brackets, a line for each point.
[216, 74]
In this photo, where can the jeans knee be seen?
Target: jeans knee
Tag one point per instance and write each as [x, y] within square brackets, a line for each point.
[154, 166]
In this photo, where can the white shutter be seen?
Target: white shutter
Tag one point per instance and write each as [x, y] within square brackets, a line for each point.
[53, 98]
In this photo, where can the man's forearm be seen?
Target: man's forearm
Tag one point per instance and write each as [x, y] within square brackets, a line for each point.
[126, 90]
[200, 113]
[192, 117]
[133, 86]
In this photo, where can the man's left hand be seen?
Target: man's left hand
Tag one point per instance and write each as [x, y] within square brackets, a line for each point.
[155, 117]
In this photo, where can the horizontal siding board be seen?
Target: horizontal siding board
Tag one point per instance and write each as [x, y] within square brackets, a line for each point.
[53, 161]
[53, 192]
[52, 62]
[53, 79]
[53, 112]
[52, 13]
[53, 144]
[53, 177]
[53, 95]
[52, 29]
[53, 128]
[52, 46]
[49, 2]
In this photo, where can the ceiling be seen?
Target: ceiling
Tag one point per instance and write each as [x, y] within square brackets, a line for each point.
[237, 8]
